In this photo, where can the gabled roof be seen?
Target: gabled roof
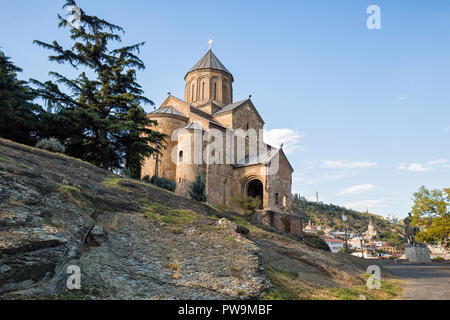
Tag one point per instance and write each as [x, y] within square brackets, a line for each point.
[256, 159]
[232, 106]
[168, 110]
[209, 61]
[194, 126]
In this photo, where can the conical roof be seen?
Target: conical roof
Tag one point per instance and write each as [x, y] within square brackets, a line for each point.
[209, 61]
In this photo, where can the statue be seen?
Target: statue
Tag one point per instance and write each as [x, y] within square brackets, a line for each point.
[410, 231]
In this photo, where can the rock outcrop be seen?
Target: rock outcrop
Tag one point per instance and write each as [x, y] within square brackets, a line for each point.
[129, 239]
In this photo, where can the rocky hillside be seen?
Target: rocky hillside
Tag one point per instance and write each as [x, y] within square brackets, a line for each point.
[134, 241]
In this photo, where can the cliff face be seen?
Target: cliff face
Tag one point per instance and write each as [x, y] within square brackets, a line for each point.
[130, 240]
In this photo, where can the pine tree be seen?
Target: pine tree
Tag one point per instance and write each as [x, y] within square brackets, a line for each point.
[19, 116]
[197, 191]
[101, 120]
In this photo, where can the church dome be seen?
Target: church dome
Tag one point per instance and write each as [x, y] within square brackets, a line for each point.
[209, 61]
[209, 81]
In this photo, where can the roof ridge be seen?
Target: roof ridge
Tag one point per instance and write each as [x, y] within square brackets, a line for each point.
[209, 61]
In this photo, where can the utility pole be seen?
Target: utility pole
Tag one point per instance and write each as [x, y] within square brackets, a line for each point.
[344, 218]
[157, 164]
[361, 240]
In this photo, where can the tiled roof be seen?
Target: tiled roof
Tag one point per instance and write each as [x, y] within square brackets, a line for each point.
[231, 106]
[209, 61]
[168, 110]
[193, 126]
[255, 159]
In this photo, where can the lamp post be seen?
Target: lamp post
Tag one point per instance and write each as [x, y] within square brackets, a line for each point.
[361, 239]
[344, 218]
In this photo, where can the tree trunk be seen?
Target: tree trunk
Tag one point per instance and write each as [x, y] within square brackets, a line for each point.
[105, 150]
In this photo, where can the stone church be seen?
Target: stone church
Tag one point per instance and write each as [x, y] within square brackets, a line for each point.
[208, 115]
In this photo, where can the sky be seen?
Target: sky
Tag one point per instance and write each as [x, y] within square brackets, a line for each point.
[364, 114]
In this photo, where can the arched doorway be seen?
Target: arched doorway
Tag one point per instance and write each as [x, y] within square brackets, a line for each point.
[255, 190]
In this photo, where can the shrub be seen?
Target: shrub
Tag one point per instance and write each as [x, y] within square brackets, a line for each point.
[161, 182]
[246, 204]
[52, 145]
[197, 191]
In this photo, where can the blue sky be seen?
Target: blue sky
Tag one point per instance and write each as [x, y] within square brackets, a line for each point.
[363, 113]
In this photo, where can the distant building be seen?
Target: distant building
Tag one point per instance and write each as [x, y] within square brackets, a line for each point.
[335, 244]
[310, 228]
[370, 233]
[392, 218]
[392, 250]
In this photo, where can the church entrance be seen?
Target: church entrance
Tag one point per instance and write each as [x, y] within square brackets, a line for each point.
[255, 190]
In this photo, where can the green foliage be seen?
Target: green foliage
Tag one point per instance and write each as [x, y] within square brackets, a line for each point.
[19, 116]
[197, 191]
[52, 145]
[246, 204]
[161, 182]
[345, 293]
[393, 239]
[173, 217]
[100, 119]
[331, 215]
[431, 212]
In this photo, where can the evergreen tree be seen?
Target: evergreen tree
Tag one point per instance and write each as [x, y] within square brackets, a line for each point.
[197, 191]
[19, 116]
[100, 120]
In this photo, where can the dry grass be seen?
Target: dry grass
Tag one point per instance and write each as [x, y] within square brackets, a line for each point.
[173, 217]
[174, 265]
[288, 286]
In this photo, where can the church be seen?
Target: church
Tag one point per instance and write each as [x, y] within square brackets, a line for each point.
[222, 140]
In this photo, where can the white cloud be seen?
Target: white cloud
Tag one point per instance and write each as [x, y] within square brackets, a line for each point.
[403, 98]
[447, 129]
[319, 177]
[358, 189]
[317, 171]
[290, 138]
[345, 164]
[365, 204]
[423, 167]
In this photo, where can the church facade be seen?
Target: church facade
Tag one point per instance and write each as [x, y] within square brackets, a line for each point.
[222, 140]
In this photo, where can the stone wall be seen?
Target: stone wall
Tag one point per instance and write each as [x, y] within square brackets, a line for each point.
[281, 222]
[167, 124]
[200, 86]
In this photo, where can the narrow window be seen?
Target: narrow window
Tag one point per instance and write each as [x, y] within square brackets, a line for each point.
[180, 157]
[192, 93]
[276, 198]
[203, 91]
[285, 201]
[215, 91]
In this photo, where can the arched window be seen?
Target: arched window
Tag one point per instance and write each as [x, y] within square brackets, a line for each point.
[276, 198]
[203, 91]
[180, 156]
[215, 91]
[285, 201]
